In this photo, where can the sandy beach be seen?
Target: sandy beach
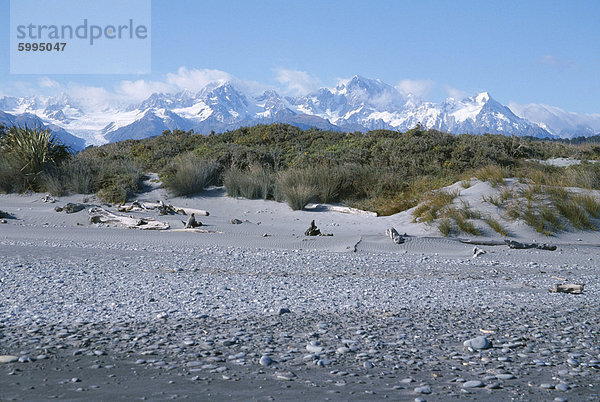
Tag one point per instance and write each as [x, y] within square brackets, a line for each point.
[259, 311]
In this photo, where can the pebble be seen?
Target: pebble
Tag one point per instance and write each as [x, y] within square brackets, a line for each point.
[426, 389]
[8, 359]
[478, 343]
[473, 384]
[562, 387]
[266, 361]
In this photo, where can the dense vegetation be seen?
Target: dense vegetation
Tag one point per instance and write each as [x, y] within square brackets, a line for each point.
[384, 171]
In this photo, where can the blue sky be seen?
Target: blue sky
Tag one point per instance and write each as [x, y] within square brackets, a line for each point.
[525, 52]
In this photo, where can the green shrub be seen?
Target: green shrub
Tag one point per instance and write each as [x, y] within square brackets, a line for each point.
[31, 152]
[113, 193]
[189, 174]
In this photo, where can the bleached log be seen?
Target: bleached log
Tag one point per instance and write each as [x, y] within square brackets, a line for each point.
[393, 234]
[341, 209]
[100, 215]
[567, 288]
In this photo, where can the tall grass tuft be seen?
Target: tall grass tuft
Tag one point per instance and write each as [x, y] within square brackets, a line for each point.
[496, 226]
[257, 182]
[28, 152]
[297, 188]
[189, 174]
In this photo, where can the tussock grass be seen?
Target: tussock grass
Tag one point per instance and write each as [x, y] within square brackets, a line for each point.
[493, 174]
[496, 226]
[465, 183]
[445, 227]
[255, 183]
[430, 209]
[574, 213]
[589, 203]
[189, 174]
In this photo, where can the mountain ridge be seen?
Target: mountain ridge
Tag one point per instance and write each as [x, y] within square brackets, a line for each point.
[356, 104]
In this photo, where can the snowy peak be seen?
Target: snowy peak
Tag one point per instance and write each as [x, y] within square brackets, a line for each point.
[358, 103]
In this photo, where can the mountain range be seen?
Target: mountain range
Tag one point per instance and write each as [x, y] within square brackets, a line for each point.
[357, 104]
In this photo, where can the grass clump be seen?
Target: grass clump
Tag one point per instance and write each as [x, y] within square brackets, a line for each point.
[436, 203]
[445, 227]
[189, 174]
[27, 155]
[569, 209]
[589, 203]
[496, 226]
[296, 188]
[493, 174]
[255, 183]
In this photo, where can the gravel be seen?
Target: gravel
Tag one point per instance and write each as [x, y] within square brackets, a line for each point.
[161, 318]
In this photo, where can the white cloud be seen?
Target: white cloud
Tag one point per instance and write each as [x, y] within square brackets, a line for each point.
[139, 90]
[46, 82]
[455, 93]
[195, 80]
[553, 61]
[296, 82]
[419, 88]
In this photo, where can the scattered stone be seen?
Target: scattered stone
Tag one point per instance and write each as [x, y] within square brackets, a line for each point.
[547, 386]
[473, 384]
[236, 221]
[8, 359]
[478, 343]
[314, 347]
[266, 361]
[562, 387]
[58, 209]
[426, 390]
[283, 310]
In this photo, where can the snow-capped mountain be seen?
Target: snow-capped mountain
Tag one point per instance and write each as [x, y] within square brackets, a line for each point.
[559, 122]
[357, 104]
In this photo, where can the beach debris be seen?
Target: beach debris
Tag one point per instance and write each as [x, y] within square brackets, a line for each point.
[192, 222]
[5, 215]
[339, 208]
[71, 208]
[540, 246]
[394, 235]
[160, 206]
[313, 230]
[48, 198]
[100, 215]
[478, 251]
[567, 288]
[236, 221]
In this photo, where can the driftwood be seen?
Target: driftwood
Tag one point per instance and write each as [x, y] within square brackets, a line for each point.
[313, 230]
[394, 235]
[567, 288]
[71, 208]
[478, 251]
[48, 198]
[192, 222]
[517, 245]
[100, 215]
[341, 209]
